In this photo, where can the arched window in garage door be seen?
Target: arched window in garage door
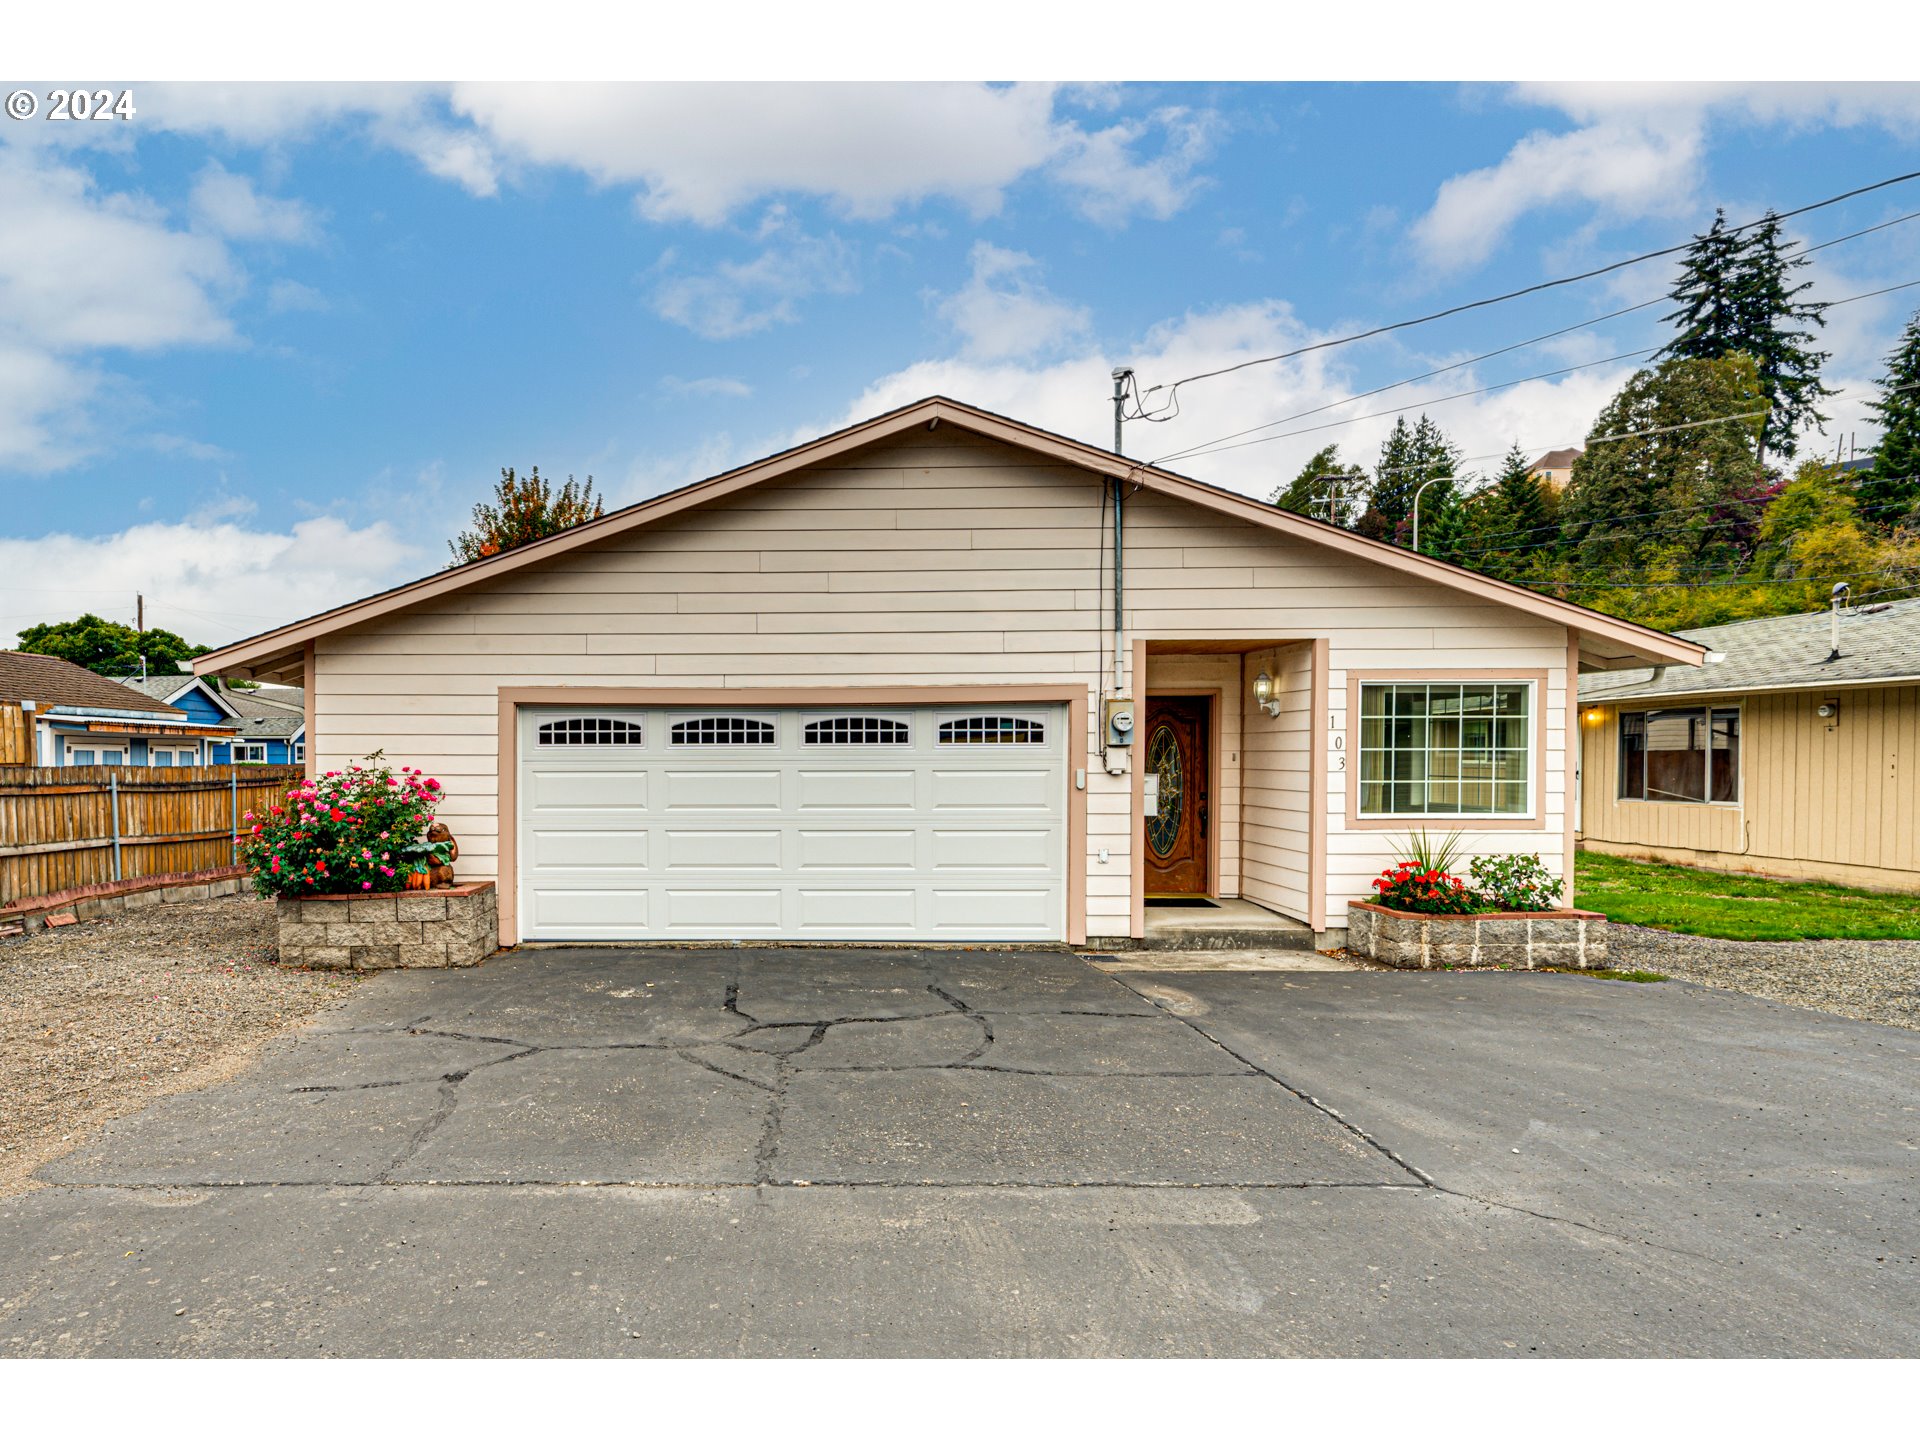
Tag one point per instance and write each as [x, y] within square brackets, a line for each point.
[722, 730]
[857, 730]
[993, 730]
[589, 730]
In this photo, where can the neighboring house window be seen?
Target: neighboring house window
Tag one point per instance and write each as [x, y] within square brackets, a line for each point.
[1434, 748]
[160, 757]
[299, 752]
[577, 730]
[80, 757]
[1687, 755]
[857, 730]
[249, 754]
[722, 730]
[993, 730]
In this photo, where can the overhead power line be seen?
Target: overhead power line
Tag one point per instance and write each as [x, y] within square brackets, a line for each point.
[1535, 288]
[1221, 445]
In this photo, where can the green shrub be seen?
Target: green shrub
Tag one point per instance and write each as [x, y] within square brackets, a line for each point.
[1515, 882]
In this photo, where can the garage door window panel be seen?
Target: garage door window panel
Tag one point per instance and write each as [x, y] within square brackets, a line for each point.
[993, 730]
[857, 730]
[590, 730]
[723, 730]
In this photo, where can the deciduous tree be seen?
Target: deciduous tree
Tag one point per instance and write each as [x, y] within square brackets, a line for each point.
[107, 647]
[524, 510]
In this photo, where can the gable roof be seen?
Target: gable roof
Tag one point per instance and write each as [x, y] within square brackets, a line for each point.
[48, 681]
[277, 704]
[168, 688]
[1879, 644]
[280, 652]
[1557, 459]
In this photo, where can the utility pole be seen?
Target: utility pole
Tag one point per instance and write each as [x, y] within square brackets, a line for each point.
[140, 624]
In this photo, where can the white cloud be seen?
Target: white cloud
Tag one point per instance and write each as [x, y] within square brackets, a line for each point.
[84, 271]
[1004, 310]
[1071, 395]
[211, 580]
[286, 296]
[702, 152]
[228, 205]
[707, 387]
[81, 269]
[740, 297]
[1626, 167]
[1638, 151]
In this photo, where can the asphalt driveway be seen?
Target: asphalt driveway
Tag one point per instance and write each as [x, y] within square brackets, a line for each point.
[988, 1152]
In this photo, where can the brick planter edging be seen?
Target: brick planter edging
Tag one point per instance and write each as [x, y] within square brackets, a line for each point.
[110, 897]
[402, 929]
[1515, 939]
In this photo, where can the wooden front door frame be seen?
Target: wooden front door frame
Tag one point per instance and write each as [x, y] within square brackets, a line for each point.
[1215, 698]
[507, 756]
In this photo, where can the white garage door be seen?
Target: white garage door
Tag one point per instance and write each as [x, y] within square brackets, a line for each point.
[928, 823]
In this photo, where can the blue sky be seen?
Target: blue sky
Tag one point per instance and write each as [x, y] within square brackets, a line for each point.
[261, 347]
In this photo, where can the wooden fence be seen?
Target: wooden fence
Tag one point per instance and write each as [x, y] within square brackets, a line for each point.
[16, 734]
[93, 824]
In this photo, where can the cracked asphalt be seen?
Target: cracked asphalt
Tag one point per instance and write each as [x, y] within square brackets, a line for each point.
[862, 1152]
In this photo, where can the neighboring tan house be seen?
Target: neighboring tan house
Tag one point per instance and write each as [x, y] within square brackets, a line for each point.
[862, 689]
[80, 718]
[1555, 468]
[1784, 758]
[264, 726]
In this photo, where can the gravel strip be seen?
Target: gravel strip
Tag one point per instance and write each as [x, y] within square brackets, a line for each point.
[1862, 979]
[100, 1019]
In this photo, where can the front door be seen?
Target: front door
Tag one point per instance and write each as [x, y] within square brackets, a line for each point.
[1175, 784]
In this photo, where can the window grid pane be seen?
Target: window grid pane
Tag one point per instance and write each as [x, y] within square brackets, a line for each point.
[993, 730]
[590, 730]
[722, 730]
[857, 730]
[1440, 749]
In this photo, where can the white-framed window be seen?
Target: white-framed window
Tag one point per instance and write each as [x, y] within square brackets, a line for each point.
[1688, 755]
[82, 757]
[159, 757]
[993, 730]
[1447, 749]
[579, 730]
[857, 730]
[722, 730]
[299, 752]
[253, 754]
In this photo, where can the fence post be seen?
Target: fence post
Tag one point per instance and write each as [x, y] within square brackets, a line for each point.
[113, 794]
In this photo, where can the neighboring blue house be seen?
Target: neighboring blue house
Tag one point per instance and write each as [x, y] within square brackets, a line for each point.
[80, 718]
[268, 726]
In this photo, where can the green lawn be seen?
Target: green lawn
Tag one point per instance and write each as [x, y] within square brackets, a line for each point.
[1738, 907]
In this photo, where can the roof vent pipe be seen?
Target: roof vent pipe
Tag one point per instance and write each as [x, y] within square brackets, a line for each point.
[1840, 593]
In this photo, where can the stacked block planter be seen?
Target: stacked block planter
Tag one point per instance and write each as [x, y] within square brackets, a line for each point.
[1513, 939]
[458, 925]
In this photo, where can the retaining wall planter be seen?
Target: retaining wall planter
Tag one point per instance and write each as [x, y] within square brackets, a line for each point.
[96, 902]
[1511, 939]
[407, 929]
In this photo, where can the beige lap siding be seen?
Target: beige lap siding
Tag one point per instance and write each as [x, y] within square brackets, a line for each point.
[932, 559]
[1276, 836]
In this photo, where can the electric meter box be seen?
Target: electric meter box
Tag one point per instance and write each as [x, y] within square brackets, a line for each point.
[1119, 722]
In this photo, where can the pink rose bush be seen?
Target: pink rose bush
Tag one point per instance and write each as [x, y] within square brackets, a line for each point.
[361, 830]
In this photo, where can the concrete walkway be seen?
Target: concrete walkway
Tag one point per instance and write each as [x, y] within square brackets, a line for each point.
[981, 1152]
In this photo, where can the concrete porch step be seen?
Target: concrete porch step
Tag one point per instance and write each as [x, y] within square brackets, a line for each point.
[1224, 925]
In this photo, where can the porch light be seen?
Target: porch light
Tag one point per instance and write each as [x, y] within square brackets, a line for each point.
[1263, 694]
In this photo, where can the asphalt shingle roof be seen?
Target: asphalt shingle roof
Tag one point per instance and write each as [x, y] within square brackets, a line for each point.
[49, 681]
[160, 687]
[1877, 642]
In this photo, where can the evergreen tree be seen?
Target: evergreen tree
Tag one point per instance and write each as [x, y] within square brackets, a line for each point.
[1311, 493]
[1889, 491]
[1511, 530]
[1411, 456]
[524, 510]
[1709, 315]
[1738, 294]
[1645, 502]
[1776, 322]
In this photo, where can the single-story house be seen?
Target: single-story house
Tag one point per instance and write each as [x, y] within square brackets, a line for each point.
[946, 676]
[1796, 753]
[262, 726]
[1555, 468]
[80, 718]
